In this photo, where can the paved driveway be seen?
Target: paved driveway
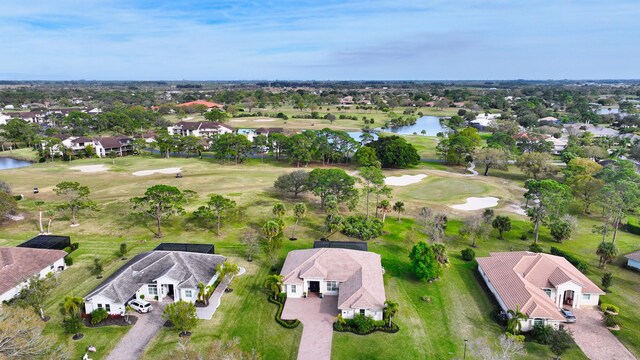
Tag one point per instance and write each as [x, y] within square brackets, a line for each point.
[138, 337]
[595, 340]
[317, 315]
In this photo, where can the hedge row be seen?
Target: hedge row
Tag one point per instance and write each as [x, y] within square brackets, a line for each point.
[579, 264]
[633, 226]
[345, 328]
[289, 324]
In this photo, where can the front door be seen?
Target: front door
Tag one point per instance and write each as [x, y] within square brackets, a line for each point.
[314, 286]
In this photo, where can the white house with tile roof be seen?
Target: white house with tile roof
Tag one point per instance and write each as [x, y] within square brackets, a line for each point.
[155, 275]
[19, 264]
[539, 284]
[354, 276]
[633, 260]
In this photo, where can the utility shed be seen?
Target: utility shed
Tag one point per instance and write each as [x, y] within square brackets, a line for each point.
[351, 245]
[51, 242]
[195, 248]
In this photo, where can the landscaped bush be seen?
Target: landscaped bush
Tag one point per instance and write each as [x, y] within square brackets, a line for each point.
[633, 226]
[67, 249]
[361, 228]
[609, 307]
[98, 316]
[68, 260]
[75, 246]
[468, 254]
[363, 325]
[610, 320]
[289, 324]
[542, 333]
[579, 264]
[535, 247]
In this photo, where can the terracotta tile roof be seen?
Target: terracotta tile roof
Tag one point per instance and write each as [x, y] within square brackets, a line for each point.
[519, 278]
[18, 264]
[208, 104]
[358, 272]
[633, 256]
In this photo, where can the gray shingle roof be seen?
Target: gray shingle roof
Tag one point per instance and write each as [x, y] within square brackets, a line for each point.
[187, 268]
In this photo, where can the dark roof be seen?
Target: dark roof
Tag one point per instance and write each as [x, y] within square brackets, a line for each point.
[197, 248]
[47, 242]
[352, 245]
[187, 269]
[111, 142]
[82, 140]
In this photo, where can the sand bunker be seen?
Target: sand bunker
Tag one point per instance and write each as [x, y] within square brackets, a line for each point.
[264, 120]
[238, 120]
[157, 171]
[404, 180]
[517, 209]
[90, 168]
[477, 203]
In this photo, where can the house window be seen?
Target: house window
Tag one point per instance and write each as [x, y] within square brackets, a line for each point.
[548, 292]
[586, 297]
[293, 288]
[538, 321]
[107, 307]
[153, 290]
[361, 311]
[188, 293]
[332, 286]
[51, 267]
[99, 306]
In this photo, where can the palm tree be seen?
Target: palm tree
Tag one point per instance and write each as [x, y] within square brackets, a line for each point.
[514, 324]
[274, 283]
[385, 207]
[390, 310]
[399, 208]
[202, 291]
[71, 304]
[279, 210]
[127, 310]
[607, 252]
[299, 211]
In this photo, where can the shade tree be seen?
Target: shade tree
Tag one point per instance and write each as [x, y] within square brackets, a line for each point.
[76, 198]
[294, 182]
[159, 202]
[215, 208]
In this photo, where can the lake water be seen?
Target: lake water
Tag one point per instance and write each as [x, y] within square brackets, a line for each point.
[8, 163]
[430, 124]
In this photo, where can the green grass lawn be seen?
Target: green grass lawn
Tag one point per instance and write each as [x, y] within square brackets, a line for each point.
[26, 154]
[459, 307]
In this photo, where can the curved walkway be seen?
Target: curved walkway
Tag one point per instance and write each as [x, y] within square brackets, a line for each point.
[595, 340]
[206, 313]
[317, 315]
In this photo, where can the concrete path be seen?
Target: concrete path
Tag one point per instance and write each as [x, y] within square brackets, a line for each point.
[139, 336]
[206, 313]
[595, 340]
[317, 315]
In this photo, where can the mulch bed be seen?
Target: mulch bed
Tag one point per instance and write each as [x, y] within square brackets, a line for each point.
[112, 322]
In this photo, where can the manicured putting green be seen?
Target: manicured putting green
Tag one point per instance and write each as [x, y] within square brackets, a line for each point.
[443, 189]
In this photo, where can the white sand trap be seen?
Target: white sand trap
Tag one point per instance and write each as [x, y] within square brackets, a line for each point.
[477, 203]
[264, 120]
[404, 180]
[16, 217]
[157, 171]
[90, 168]
[517, 209]
[238, 120]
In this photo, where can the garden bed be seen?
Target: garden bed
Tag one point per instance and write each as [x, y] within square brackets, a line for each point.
[111, 321]
[345, 328]
[289, 324]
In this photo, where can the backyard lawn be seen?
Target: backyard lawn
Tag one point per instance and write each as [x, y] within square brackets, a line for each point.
[435, 318]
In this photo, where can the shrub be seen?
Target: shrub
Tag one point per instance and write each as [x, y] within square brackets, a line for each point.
[363, 324]
[608, 307]
[68, 260]
[361, 228]
[289, 324]
[610, 320]
[523, 237]
[468, 254]
[67, 249]
[579, 264]
[542, 333]
[633, 226]
[535, 247]
[607, 281]
[75, 246]
[98, 316]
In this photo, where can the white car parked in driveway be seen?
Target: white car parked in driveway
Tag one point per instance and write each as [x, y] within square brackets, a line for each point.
[140, 306]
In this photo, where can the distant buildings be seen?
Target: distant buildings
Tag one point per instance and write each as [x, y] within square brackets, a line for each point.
[102, 146]
[208, 104]
[199, 128]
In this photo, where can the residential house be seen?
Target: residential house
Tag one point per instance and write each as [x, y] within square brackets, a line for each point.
[208, 104]
[155, 276]
[19, 264]
[354, 276]
[199, 129]
[36, 117]
[538, 284]
[549, 120]
[347, 100]
[483, 121]
[102, 146]
[597, 131]
[633, 260]
[4, 118]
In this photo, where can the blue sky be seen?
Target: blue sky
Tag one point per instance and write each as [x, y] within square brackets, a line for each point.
[319, 40]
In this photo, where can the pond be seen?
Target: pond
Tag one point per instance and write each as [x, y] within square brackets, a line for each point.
[430, 124]
[9, 163]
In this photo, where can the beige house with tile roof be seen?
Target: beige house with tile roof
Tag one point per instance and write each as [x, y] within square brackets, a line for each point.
[540, 284]
[354, 276]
